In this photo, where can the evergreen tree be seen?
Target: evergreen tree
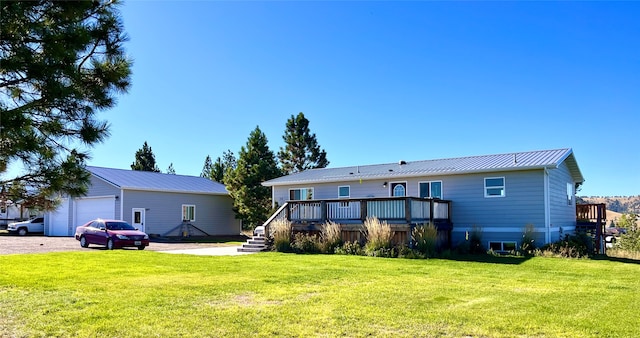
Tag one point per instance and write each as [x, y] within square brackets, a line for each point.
[221, 167]
[207, 168]
[61, 63]
[145, 160]
[256, 164]
[170, 170]
[301, 151]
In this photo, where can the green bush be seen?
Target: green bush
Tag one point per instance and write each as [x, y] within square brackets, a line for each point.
[572, 246]
[306, 243]
[629, 242]
[425, 239]
[378, 234]
[350, 248]
[281, 232]
[331, 237]
[472, 242]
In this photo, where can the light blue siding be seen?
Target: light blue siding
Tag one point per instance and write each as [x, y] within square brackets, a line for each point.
[99, 187]
[562, 214]
[214, 213]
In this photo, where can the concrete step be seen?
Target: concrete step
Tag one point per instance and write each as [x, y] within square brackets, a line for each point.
[253, 245]
[253, 241]
[243, 249]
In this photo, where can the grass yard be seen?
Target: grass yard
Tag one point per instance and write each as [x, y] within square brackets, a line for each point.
[141, 294]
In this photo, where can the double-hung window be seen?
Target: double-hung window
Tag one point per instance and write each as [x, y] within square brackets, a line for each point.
[301, 194]
[344, 191]
[431, 189]
[494, 187]
[189, 212]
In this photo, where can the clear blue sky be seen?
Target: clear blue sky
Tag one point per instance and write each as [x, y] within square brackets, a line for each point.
[384, 81]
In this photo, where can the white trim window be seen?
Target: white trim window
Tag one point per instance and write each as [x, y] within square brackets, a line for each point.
[494, 187]
[398, 189]
[569, 194]
[189, 212]
[344, 191]
[503, 246]
[300, 194]
[431, 189]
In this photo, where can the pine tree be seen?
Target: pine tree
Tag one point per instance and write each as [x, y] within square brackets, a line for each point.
[170, 170]
[221, 167]
[207, 168]
[301, 151]
[145, 160]
[256, 164]
[61, 63]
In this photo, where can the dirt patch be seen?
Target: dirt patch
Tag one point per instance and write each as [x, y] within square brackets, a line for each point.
[13, 244]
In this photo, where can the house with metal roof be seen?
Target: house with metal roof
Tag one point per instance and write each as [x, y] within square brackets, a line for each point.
[159, 204]
[497, 195]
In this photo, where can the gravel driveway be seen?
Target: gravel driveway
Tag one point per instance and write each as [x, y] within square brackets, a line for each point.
[11, 244]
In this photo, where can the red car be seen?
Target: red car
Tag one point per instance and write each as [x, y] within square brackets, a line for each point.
[112, 234]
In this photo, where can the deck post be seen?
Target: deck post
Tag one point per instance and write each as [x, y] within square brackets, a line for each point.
[323, 211]
[287, 212]
[363, 210]
[407, 209]
[431, 210]
[599, 230]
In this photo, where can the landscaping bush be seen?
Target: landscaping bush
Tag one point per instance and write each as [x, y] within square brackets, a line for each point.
[281, 233]
[331, 237]
[572, 246]
[425, 238]
[378, 234]
[350, 248]
[306, 243]
[472, 242]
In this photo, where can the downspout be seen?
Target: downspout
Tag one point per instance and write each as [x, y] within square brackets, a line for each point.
[547, 208]
[122, 204]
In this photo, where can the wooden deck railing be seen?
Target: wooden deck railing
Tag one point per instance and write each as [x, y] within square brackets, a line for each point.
[392, 209]
[591, 212]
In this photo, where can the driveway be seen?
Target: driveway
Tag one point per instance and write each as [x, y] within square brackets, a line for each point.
[10, 244]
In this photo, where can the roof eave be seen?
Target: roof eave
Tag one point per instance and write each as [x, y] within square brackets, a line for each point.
[176, 191]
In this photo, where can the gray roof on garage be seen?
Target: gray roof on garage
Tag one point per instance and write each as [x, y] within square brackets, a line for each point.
[151, 181]
[539, 159]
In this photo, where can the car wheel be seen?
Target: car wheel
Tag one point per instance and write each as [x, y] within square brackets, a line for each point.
[141, 247]
[22, 231]
[109, 244]
[83, 242]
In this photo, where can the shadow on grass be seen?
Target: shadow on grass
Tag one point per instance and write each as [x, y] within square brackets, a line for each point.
[616, 259]
[490, 259]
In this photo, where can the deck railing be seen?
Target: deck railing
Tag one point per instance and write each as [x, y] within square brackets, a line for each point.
[591, 212]
[392, 209]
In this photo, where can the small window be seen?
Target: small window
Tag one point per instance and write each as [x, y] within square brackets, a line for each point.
[502, 246]
[188, 212]
[344, 191]
[494, 187]
[301, 194]
[430, 189]
[569, 193]
[3, 209]
[398, 189]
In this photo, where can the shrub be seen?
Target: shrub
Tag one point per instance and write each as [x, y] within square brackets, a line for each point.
[425, 238]
[281, 232]
[305, 243]
[350, 248]
[331, 237]
[576, 246]
[528, 246]
[378, 234]
[472, 242]
[629, 242]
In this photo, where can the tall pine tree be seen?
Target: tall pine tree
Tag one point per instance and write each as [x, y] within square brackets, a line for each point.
[171, 170]
[222, 166]
[256, 164]
[301, 151]
[206, 168]
[145, 160]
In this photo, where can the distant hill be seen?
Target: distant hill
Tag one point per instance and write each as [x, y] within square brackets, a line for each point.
[620, 204]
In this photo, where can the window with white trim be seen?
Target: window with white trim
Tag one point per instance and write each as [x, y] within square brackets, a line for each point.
[344, 191]
[431, 189]
[189, 212]
[398, 189]
[494, 187]
[301, 194]
[569, 193]
[503, 246]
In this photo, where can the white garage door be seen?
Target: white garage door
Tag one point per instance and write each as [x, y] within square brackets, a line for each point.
[59, 220]
[92, 208]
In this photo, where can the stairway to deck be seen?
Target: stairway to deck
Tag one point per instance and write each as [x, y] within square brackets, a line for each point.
[255, 244]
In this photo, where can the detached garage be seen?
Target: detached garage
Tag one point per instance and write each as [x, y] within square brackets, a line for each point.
[153, 202]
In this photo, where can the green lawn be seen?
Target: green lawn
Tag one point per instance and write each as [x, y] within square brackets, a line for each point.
[130, 293]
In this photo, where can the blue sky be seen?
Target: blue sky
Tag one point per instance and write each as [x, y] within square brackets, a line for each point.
[384, 81]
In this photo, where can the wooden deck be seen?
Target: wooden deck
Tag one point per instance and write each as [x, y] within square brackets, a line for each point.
[592, 219]
[401, 213]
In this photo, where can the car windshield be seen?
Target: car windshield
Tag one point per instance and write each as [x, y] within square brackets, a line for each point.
[119, 226]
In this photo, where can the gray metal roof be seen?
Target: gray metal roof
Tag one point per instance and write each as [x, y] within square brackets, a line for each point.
[449, 166]
[151, 181]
